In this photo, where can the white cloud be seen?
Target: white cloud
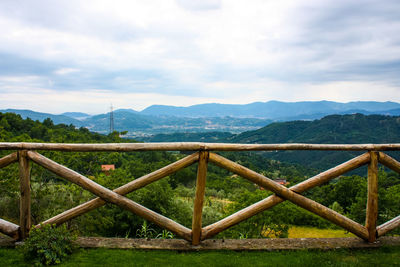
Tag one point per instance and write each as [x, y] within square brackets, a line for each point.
[65, 71]
[227, 51]
[95, 101]
[98, 101]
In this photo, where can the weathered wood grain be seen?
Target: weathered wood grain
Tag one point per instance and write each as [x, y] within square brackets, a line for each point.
[9, 229]
[389, 162]
[25, 194]
[7, 160]
[372, 201]
[270, 244]
[199, 197]
[388, 226]
[195, 146]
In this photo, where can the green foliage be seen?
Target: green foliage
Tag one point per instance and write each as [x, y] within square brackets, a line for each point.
[270, 223]
[48, 244]
[145, 231]
[165, 234]
[336, 207]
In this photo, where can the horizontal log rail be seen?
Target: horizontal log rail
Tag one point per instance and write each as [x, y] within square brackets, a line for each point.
[202, 155]
[195, 146]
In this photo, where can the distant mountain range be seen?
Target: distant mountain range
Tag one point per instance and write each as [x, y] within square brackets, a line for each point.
[276, 110]
[211, 117]
[333, 129]
[138, 124]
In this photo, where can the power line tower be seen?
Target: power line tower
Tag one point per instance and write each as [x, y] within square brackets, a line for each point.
[111, 119]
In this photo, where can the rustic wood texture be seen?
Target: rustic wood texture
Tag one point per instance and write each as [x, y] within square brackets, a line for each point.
[236, 244]
[25, 194]
[125, 189]
[288, 194]
[389, 162]
[111, 196]
[370, 232]
[372, 201]
[388, 226]
[199, 197]
[194, 146]
[9, 229]
[7, 160]
[276, 244]
[273, 200]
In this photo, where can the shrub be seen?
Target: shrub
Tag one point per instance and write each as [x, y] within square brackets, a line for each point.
[48, 244]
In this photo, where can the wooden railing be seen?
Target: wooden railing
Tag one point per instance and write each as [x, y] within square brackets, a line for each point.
[26, 152]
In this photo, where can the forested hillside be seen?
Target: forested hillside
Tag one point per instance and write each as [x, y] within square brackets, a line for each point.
[338, 129]
[333, 129]
[173, 196]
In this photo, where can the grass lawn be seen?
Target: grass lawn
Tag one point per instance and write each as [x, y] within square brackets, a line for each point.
[311, 232]
[388, 256]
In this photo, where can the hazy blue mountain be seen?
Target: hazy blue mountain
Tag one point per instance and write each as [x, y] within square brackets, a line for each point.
[127, 110]
[76, 115]
[274, 110]
[123, 121]
[57, 119]
[392, 112]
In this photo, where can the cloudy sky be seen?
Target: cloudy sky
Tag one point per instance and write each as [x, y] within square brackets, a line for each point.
[58, 56]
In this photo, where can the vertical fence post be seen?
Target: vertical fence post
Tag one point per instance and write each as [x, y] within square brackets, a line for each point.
[25, 191]
[372, 202]
[199, 198]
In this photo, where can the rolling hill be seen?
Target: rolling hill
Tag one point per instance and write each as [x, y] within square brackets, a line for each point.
[339, 129]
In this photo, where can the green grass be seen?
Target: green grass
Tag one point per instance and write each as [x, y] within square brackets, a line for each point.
[312, 232]
[387, 256]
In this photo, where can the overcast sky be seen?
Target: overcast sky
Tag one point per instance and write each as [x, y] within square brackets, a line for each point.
[58, 56]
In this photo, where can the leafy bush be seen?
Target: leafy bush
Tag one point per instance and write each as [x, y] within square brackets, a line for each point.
[48, 244]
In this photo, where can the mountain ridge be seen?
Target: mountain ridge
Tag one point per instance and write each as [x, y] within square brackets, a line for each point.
[208, 117]
[332, 129]
[275, 110]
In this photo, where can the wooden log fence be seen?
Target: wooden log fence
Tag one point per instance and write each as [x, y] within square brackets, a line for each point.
[25, 191]
[369, 232]
[274, 200]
